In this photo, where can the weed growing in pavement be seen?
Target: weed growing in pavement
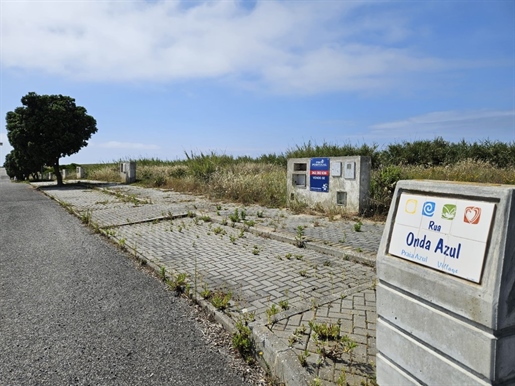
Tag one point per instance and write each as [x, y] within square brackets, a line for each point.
[357, 226]
[255, 250]
[109, 232]
[249, 223]
[220, 299]
[271, 312]
[342, 379]
[284, 304]
[303, 358]
[303, 273]
[206, 292]
[329, 342]
[235, 216]
[224, 221]
[232, 238]
[242, 340]
[343, 240]
[219, 231]
[259, 214]
[288, 256]
[163, 273]
[205, 218]
[95, 226]
[317, 382]
[178, 283]
[326, 331]
[300, 330]
[300, 238]
[67, 206]
[86, 217]
[299, 257]
[292, 340]
[121, 244]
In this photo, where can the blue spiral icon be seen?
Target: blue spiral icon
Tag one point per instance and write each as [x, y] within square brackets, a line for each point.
[428, 209]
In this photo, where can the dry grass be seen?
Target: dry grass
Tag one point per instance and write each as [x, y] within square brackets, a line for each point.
[465, 171]
[265, 184]
[107, 172]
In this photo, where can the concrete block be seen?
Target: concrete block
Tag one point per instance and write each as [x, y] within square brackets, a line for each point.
[128, 172]
[447, 316]
[330, 182]
[80, 172]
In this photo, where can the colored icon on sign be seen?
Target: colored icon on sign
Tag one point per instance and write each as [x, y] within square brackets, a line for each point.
[411, 206]
[428, 209]
[449, 211]
[472, 214]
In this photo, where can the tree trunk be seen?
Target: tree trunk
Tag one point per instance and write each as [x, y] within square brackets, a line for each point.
[57, 173]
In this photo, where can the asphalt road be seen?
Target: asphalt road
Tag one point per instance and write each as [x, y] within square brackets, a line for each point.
[76, 311]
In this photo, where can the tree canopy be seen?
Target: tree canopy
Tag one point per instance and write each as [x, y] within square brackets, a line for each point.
[46, 128]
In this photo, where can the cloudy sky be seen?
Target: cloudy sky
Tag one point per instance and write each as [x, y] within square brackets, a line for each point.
[253, 77]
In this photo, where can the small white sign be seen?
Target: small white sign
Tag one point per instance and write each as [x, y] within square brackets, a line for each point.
[446, 234]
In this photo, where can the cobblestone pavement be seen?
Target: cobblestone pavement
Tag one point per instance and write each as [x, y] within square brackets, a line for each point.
[317, 302]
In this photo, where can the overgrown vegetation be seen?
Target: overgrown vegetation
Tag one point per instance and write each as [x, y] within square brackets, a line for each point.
[262, 180]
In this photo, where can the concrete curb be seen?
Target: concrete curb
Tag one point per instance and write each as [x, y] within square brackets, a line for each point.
[280, 360]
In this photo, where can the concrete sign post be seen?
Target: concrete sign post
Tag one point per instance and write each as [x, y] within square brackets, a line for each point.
[446, 286]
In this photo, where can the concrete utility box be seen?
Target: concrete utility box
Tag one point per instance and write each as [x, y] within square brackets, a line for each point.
[446, 286]
[330, 182]
[80, 172]
[128, 172]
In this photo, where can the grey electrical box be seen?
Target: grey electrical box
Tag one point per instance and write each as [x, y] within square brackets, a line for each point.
[350, 170]
[336, 169]
[341, 183]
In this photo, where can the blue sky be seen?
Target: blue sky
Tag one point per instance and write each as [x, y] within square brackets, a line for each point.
[255, 77]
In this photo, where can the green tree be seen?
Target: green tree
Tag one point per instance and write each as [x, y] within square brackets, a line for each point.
[16, 165]
[48, 127]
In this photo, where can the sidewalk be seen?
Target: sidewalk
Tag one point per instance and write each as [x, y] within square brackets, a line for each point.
[313, 306]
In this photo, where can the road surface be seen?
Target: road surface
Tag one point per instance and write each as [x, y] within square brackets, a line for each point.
[75, 311]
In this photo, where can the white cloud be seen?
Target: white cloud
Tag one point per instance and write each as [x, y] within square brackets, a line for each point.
[289, 47]
[126, 145]
[466, 124]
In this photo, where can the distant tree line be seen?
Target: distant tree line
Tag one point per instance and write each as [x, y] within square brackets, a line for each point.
[437, 152]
